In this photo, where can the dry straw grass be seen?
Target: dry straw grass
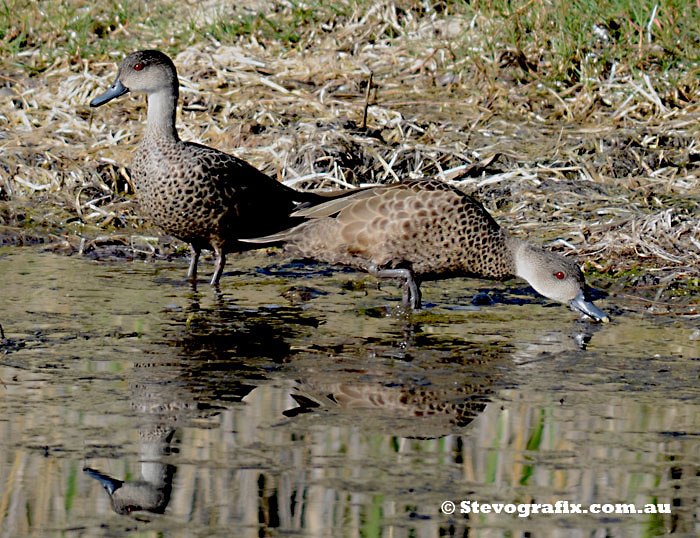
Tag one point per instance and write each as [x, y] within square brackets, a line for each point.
[604, 168]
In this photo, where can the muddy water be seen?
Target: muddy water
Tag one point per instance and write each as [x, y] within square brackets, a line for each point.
[134, 405]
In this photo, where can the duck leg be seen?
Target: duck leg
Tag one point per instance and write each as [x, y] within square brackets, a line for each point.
[411, 287]
[411, 292]
[218, 265]
[192, 271]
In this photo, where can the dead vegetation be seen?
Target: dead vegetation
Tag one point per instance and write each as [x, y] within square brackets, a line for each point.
[604, 168]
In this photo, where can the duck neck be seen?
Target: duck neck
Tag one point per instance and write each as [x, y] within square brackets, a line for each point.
[162, 108]
[519, 250]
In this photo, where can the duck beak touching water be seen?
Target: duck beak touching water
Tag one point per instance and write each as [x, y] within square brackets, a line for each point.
[579, 304]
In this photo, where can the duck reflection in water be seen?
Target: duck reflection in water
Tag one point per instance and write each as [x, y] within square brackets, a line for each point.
[150, 493]
[215, 358]
[410, 412]
[410, 384]
[161, 402]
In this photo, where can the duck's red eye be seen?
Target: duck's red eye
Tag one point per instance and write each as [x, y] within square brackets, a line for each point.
[560, 275]
[138, 66]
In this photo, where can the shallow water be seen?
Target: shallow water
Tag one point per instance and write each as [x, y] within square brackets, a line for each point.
[265, 410]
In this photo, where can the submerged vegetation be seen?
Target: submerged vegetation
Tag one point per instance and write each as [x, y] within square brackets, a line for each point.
[575, 123]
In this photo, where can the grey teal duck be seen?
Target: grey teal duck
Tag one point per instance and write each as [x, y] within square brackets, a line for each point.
[427, 229]
[198, 194]
[411, 411]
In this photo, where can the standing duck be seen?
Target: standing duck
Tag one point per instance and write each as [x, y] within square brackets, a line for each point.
[198, 194]
[427, 229]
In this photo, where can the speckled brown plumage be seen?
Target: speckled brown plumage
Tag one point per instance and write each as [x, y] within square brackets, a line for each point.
[198, 194]
[412, 411]
[436, 228]
[426, 229]
[457, 406]
[206, 197]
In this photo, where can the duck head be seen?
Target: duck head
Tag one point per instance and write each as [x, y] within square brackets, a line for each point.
[145, 71]
[555, 277]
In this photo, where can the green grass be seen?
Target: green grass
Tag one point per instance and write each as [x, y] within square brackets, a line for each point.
[564, 42]
[568, 41]
[72, 29]
[289, 25]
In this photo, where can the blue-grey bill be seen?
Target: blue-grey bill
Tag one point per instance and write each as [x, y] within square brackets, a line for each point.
[580, 304]
[110, 484]
[115, 90]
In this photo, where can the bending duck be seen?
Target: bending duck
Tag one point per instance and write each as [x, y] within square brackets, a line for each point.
[427, 229]
[198, 194]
